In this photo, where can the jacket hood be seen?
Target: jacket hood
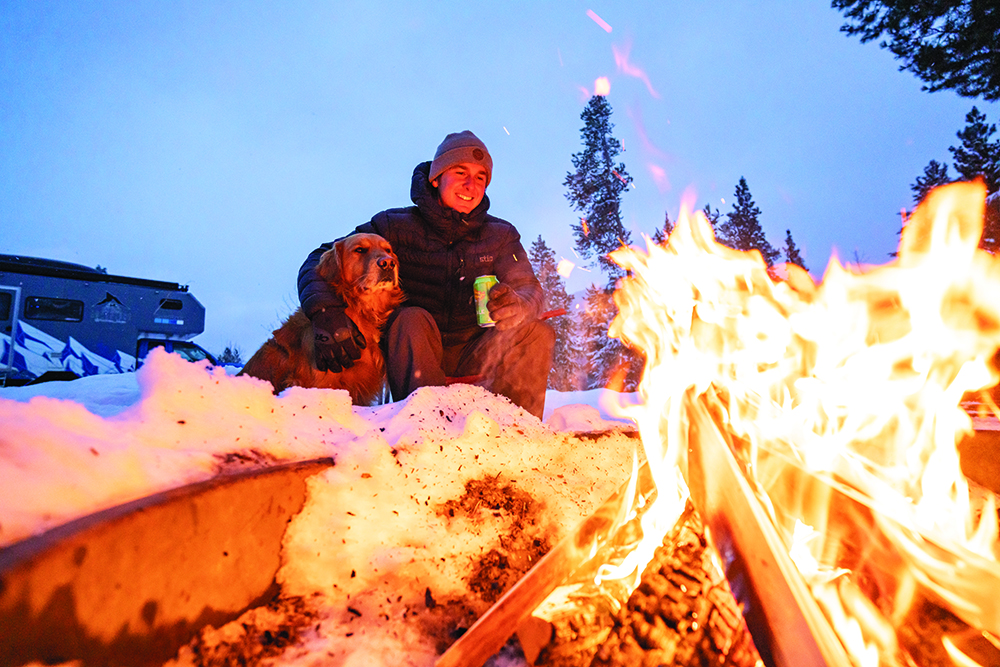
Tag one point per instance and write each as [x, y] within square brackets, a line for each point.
[448, 222]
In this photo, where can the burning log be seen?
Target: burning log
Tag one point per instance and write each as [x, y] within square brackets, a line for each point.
[681, 613]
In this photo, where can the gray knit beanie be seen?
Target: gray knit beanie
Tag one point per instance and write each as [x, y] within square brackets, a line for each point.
[459, 147]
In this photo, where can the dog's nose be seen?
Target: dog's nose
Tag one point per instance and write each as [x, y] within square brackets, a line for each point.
[386, 263]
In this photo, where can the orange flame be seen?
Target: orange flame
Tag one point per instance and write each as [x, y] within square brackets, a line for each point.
[856, 381]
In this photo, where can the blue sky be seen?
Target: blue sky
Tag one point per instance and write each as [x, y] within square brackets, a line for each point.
[216, 143]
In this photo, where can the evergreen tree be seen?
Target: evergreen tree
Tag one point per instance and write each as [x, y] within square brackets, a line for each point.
[948, 45]
[231, 355]
[712, 217]
[978, 155]
[660, 235]
[608, 362]
[595, 188]
[603, 354]
[792, 255]
[742, 230]
[567, 357]
[935, 174]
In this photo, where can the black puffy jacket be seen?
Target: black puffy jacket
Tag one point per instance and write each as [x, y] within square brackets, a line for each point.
[441, 252]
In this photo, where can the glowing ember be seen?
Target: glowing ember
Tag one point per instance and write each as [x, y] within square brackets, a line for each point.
[602, 86]
[598, 20]
[843, 402]
[565, 267]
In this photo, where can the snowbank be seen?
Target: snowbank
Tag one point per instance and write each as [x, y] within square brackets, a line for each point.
[434, 505]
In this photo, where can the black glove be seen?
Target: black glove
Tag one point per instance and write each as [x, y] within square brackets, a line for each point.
[506, 307]
[336, 339]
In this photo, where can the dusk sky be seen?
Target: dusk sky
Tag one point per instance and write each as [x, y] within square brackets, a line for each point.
[215, 144]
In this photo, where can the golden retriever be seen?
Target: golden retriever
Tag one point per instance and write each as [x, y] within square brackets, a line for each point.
[364, 271]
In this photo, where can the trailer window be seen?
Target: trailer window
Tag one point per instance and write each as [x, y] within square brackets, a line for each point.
[5, 300]
[171, 304]
[58, 310]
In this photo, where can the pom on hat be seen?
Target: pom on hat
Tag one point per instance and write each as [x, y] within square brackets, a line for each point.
[460, 147]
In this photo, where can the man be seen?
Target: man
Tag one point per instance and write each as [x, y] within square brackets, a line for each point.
[444, 242]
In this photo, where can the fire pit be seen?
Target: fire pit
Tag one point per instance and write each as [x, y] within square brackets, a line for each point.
[817, 430]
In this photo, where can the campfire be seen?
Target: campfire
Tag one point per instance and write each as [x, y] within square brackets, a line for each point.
[810, 434]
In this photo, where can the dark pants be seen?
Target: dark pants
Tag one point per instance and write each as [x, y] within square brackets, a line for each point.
[514, 363]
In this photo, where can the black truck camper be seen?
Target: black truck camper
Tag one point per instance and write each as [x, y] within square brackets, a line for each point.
[59, 319]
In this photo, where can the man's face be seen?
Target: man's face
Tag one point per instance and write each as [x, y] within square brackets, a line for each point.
[462, 187]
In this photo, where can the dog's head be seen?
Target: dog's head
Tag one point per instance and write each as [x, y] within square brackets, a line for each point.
[362, 267]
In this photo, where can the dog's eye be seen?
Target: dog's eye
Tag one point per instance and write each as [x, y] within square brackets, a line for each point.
[360, 250]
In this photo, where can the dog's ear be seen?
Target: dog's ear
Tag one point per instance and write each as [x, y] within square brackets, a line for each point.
[330, 263]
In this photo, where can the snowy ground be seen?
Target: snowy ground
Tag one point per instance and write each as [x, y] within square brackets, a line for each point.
[384, 531]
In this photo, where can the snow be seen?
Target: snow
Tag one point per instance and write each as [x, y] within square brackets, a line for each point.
[371, 535]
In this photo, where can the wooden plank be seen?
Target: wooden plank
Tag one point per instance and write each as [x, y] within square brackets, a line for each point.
[788, 628]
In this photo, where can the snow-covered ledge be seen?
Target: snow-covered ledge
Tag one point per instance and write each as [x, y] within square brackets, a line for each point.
[131, 584]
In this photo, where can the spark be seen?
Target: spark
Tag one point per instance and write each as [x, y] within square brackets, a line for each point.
[598, 20]
[565, 267]
[619, 176]
[586, 229]
[602, 86]
[506, 130]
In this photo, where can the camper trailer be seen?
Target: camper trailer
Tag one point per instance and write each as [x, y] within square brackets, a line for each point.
[60, 320]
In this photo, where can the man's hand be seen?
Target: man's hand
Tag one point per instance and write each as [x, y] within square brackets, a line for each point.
[336, 339]
[506, 307]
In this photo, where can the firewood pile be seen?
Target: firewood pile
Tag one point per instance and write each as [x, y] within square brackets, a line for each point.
[682, 613]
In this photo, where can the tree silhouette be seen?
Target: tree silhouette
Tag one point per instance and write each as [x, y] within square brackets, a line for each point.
[948, 45]
[712, 217]
[742, 230]
[791, 251]
[978, 155]
[231, 355]
[935, 174]
[595, 188]
[661, 234]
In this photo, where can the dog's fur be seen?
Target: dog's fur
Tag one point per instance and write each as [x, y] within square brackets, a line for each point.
[365, 273]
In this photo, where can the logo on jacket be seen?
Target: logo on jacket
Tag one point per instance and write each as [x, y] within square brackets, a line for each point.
[485, 259]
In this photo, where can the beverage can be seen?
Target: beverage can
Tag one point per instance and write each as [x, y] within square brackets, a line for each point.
[481, 289]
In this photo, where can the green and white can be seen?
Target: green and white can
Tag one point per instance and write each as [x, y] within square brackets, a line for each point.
[481, 289]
